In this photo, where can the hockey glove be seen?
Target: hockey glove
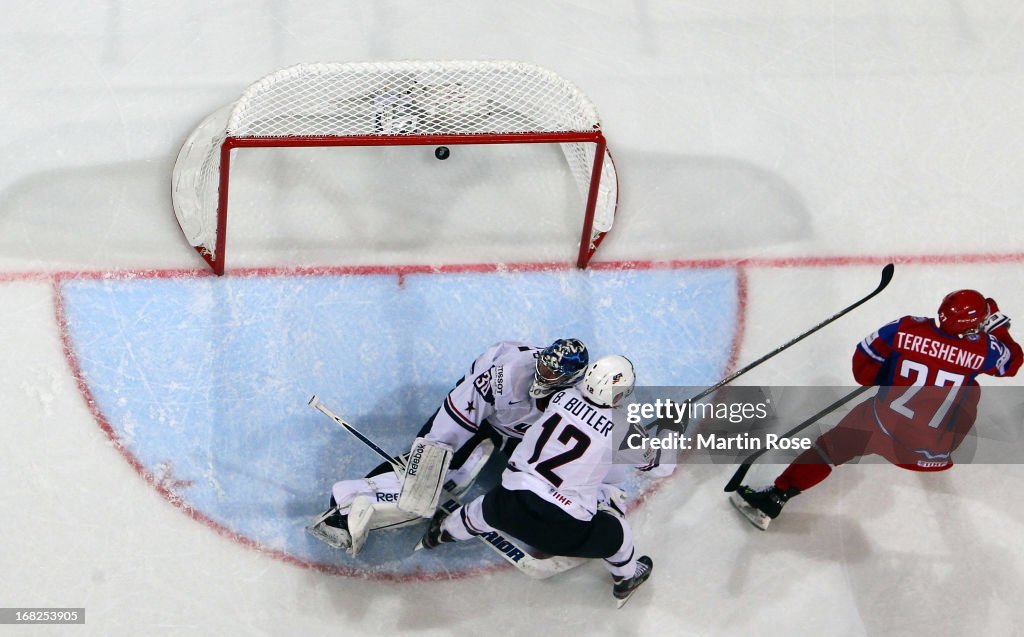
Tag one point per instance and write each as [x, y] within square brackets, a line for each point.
[995, 319]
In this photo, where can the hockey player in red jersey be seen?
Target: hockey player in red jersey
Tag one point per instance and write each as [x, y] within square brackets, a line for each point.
[926, 370]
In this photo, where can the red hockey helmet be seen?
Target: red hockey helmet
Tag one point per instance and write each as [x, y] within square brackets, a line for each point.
[961, 312]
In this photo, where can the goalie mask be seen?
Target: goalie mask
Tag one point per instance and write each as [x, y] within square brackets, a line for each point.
[609, 381]
[559, 365]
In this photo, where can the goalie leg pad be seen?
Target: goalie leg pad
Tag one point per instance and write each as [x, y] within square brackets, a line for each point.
[359, 523]
[374, 509]
[382, 488]
[424, 477]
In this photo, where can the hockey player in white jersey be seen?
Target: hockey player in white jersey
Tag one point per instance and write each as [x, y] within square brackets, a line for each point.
[504, 392]
[560, 492]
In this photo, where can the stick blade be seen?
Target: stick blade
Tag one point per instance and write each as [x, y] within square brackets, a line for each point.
[314, 402]
[887, 273]
[737, 478]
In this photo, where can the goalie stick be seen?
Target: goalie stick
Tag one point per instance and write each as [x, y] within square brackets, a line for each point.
[509, 549]
[660, 424]
[741, 471]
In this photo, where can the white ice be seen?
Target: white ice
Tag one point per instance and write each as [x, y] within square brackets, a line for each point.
[814, 141]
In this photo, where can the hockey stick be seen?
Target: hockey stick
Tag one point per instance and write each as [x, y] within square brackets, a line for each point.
[509, 549]
[741, 471]
[887, 273]
[396, 463]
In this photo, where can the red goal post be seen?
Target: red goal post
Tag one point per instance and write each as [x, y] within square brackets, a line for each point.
[394, 104]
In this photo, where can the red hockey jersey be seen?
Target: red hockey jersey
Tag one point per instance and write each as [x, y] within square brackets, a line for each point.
[929, 395]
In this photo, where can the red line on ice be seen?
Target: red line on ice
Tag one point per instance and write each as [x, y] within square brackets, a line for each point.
[455, 268]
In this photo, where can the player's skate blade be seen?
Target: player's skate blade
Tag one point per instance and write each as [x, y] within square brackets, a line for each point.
[435, 535]
[754, 515]
[625, 588]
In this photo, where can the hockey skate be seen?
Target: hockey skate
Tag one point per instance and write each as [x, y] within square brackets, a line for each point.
[434, 536]
[760, 507]
[624, 587]
[331, 528]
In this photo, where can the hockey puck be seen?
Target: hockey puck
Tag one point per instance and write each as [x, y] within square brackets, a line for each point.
[442, 152]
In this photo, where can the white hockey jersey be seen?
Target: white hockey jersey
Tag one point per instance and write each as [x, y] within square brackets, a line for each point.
[566, 456]
[496, 389]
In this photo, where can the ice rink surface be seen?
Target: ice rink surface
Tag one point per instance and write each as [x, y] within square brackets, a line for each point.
[771, 159]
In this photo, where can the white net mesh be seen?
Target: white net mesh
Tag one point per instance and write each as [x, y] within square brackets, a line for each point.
[195, 180]
[411, 98]
[391, 99]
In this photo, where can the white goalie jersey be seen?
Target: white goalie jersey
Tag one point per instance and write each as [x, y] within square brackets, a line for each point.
[496, 390]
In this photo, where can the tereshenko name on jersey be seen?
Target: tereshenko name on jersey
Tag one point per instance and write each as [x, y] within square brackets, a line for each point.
[673, 441]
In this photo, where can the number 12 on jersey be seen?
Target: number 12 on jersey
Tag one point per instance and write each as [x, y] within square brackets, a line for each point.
[575, 439]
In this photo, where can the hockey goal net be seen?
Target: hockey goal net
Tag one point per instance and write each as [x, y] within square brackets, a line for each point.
[412, 103]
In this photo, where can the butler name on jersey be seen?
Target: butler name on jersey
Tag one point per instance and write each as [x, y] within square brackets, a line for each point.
[549, 494]
[504, 389]
[567, 456]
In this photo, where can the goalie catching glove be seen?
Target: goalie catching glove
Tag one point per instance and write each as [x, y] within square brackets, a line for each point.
[424, 477]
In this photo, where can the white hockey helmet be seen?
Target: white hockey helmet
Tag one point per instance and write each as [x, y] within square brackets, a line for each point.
[608, 381]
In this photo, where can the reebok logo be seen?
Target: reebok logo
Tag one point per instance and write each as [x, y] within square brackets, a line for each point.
[414, 460]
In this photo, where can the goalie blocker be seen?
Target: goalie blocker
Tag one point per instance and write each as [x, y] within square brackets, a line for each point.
[424, 477]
